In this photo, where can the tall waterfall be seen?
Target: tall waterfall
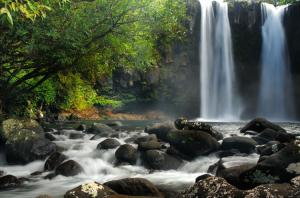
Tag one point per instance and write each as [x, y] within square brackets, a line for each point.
[216, 63]
[275, 96]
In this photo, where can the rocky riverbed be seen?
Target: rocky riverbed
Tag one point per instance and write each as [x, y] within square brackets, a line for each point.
[150, 159]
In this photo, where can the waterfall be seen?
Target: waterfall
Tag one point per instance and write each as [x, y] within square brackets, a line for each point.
[275, 94]
[216, 63]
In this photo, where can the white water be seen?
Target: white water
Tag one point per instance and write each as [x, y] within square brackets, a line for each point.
[275, 94]
[218, 98]
[99, 166]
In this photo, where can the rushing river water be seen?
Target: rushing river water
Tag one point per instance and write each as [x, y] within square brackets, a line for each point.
[99, 164]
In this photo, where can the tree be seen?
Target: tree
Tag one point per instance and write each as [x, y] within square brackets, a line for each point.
[86, 37]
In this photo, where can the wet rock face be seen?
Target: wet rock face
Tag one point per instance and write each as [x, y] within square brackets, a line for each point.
[22, 152]
[134, 187]
[242, 144]
[8, 182]
[159, 160]
[260, 124]
[54, 161]
[126, 153]
[90, 190]
[279, 167]
[69, 168]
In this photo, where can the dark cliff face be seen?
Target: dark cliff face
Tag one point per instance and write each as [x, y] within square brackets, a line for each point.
[176, 87]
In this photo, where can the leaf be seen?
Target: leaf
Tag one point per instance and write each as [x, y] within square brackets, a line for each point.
[9, 17]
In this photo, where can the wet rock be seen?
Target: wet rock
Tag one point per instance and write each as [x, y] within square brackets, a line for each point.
[202, 177]
[36, 173]
[159, 160]
[50, 137]
[151, 145]
[108, 144]
[9, 181]
[75, 136]
[14, 129]
[272, 135]
[114, 124]
[126, 153]
[259, 125]
[100, 129]
[146, 138]
[219, 188]
[81, 127]
[242, 144]
[192, 143]
[44, 196]
[278, 167]
[134, 187]
[90, 190]
[184, 124]
[28, 150]
[174, 152]
[54, 161]
[50, 176]
[160, 130]
[69, 168]
[1, 173]
[270, 148]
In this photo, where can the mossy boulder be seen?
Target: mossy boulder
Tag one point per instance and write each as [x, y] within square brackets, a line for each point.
[90, 190]
[20, 130]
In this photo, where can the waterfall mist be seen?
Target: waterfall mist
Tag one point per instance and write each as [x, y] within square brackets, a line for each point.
[218, 98]
[275, 94]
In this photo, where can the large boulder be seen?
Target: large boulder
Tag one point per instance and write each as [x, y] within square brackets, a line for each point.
[259, 125]
[242, 144]
[134, 187]
[273, 135]
[192, 143]
[9, 181]
[147, 138]
[108, 144]
[13, 129]
[69, 168]
[219, 188]
[54, 161]
[76, 135]
[161, 129]
[159, 160]
[100, 129]
[28, 148]
[126, 153]
[90, 190]
[278, 167]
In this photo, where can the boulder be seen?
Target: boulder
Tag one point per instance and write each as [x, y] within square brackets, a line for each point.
[161, 129]
[259, 125]
[81, 127]
[69, 168]
[13, 129]
[50, 137]
[108, 144]
[114, 124]
[134, 187]
[192, 143]
[219, 188]
[100, 129]
[146, 138]
[22, 151]
[90, 190]
[270, 148]
[272, 135]
[278, 167]
[54, 161]
[9, 181]
[126, 153]
[174, 152]
[151, 145]
[75, 136]
[242, 144]
[159, 160]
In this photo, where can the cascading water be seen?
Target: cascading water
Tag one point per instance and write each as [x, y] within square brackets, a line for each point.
[275, 96]
[216, 63]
